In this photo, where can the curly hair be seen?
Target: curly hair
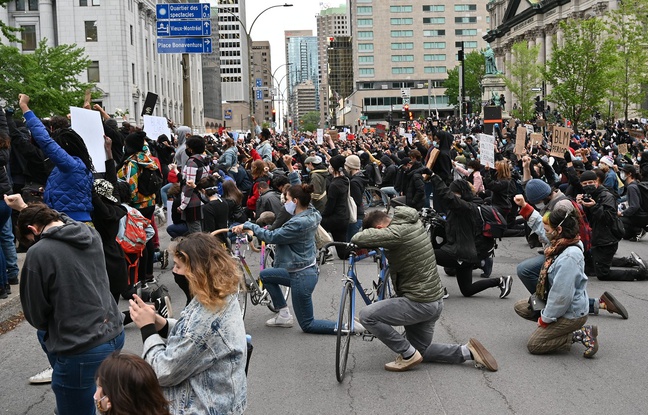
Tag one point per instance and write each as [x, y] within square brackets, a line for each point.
[131, 385]
[258, 168]
[212, 273]
[73, 144]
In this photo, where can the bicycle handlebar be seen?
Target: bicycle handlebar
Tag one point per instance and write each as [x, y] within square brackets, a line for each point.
[347, 245]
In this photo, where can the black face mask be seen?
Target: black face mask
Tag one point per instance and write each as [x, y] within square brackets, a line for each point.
[188, 152]
[590, 189]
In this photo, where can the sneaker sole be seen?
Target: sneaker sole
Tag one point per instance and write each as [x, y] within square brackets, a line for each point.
[282, 325]
[169, 308]
[622, 310]
[508, 287]
[596, 343]
[484, 355]
[39, 382]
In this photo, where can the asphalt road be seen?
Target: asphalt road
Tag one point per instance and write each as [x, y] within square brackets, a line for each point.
[293, 373]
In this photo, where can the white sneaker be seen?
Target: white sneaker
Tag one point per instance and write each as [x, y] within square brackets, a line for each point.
[358, 328]
[278, 321]
[43, 377]
[445, 293]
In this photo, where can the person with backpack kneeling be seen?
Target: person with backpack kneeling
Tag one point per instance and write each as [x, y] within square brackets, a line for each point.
[635, 216]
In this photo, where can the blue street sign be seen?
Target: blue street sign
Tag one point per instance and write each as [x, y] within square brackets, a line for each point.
[258, 82]
[184, 45]
[259, 95]
[188, 11]
[228, 114]
[184, 28]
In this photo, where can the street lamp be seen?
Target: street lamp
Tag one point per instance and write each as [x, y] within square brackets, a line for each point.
[249, 42]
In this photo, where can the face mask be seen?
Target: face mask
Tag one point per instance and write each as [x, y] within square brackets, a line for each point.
[256, 140]
[290, 207]
[589, 189]
[98, 405]
[552, 235]
[470, 171]
[436, 145]
[638, 158]
[540, 205]
[308, 169]
[504, 142]
[623, 175]
[577, 158]
[188, 152]
[283, 199]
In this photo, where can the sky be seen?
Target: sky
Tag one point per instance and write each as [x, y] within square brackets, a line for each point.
[271, 25]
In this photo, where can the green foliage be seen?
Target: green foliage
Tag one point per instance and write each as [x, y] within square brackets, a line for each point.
[474, 71]
[310, 121]
[580, 70]
[49, 76]
[522, 75]
[626, 26]
[6, 30]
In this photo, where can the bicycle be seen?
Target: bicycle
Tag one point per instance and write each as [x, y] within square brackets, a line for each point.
[381, 289]
[251, 285]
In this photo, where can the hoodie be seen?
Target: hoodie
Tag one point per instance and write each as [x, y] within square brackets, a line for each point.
[389, 171]
[181, 157]
[64, 289]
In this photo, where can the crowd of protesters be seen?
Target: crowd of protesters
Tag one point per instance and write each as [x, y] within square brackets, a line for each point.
[576, 206]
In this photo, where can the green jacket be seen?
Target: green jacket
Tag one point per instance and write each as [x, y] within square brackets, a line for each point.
[412, 263]
[318, 180]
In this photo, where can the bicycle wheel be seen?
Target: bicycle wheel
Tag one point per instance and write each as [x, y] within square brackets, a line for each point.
[345, 319]
[386, 289]
[242, 293]
[268, 261]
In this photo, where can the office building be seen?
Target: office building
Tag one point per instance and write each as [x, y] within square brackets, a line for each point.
[332, 26]
[301, 54]
[119, 37]
[404, 51]
[305, 100]
[212, 98]
[263, 83]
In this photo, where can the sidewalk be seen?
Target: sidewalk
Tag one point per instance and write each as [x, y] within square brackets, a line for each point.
[10, 306]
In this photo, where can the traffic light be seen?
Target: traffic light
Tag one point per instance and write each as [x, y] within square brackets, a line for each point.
[411, 115]
[274, 115]
[290, 123]
[406, 107]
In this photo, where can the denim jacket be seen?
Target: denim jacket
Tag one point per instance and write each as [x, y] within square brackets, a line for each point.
[567, 280]
[201, 365]
[295, 240]
[229, 158]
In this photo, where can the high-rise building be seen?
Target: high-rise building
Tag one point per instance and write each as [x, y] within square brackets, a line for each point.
[404, 51]
[301, 54]
[332, 25]
[263, 84]
[120, 38]
[340, 74]
[305, 101]
[211, 77]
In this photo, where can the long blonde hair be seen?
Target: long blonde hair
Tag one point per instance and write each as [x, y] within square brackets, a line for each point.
[211, 272]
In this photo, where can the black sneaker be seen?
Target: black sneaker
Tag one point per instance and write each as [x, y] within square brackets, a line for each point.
[505, 286]
[13, 281]
[3, 293]
[163, 306]
[8, 288]
[165, 259]
[445, 293]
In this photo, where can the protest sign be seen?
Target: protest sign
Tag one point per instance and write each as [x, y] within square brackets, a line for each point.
[520, 141]
[87, 124]
[623, 148]
[343, 136]
[156, 126]
[536, 139]
[638, 134]
[560, 141]
[487, 149]
[334, 135]
[380, 130]
[320, 136]
[529, 128]
[409, 137]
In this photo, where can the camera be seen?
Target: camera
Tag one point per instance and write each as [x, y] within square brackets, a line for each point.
[587, 197]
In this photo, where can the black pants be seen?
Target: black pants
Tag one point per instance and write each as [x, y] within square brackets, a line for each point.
[464, 274]
[338, 231]
[633, 225]
[603, 259]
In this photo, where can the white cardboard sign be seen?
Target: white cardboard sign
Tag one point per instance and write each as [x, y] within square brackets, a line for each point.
[87, 123]
[155, 127]
[487, 149]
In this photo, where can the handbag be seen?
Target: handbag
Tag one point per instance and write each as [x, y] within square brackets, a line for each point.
[321, 237]
[353, 208]
[536, 304]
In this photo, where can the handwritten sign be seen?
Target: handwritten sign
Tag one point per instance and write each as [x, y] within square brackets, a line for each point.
[560, 141]
[638, 134]
[409, 137]
[520, 140]
[87, 124]
[343, 136]
[320, 136]
[487, 149]
[156, 126]
[334, 135]
[623, 148]
[536, 138]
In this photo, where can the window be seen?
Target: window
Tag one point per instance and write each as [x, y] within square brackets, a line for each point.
[28, 37]
[406, 21]
[96, 2]
[366, 72]
[366, 85]
[405, 70]
[365, 35]
[131, 34]
[471, 44]
[133, 71]
[365, 47]
[402, 33]
[463, 20]
[363, 60]
[434, 8]
[465, 32]
[365, 10]
[31, 4]
[83, 3]
[434, 69]
[146, 49]
[93, 72]
[433, 33]
[400, 9]
[465, 7]
[434, 45]
[434, 20]
[434, 57]
[404, 45]
[91, 30]
[365, 22]
[402, 58]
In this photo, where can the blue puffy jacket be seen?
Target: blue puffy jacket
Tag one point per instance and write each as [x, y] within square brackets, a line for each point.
[69, 185]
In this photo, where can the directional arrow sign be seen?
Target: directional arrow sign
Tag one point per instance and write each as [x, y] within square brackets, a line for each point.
[184, 28]
[190, 11]
[184, 45]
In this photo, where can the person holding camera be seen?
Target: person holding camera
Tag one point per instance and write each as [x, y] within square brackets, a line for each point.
[560, 303]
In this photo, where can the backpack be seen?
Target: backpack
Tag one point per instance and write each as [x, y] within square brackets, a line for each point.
[584, 228]
[149, 181]
[643, 192]
[493, 222]
[376, 176]
[134, 240]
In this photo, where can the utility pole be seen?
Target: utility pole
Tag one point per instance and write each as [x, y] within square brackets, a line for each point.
[186, 92]
[462, 58]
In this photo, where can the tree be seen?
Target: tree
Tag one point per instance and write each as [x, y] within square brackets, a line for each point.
[580, 69]
[309, 121]
[49, 76]
[523, 74]
[474, 71]
[6, 30]
[627, 26]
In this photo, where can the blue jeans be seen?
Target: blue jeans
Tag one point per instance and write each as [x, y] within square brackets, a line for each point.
[353, 228]
[73, 379]
[9, 249]
[177, 229]
[387, 193]
[302, 284]
[528, 272]
[163, 194]
[5, 216]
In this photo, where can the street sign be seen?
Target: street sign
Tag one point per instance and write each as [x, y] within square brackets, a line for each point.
[259, 95]
[406, 92]
[184, 28]
[364, 117]
[184, 45]
[228, 114]
[259, 83]
[190, 11]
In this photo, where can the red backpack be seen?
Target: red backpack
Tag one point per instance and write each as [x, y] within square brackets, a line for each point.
[134, 240]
